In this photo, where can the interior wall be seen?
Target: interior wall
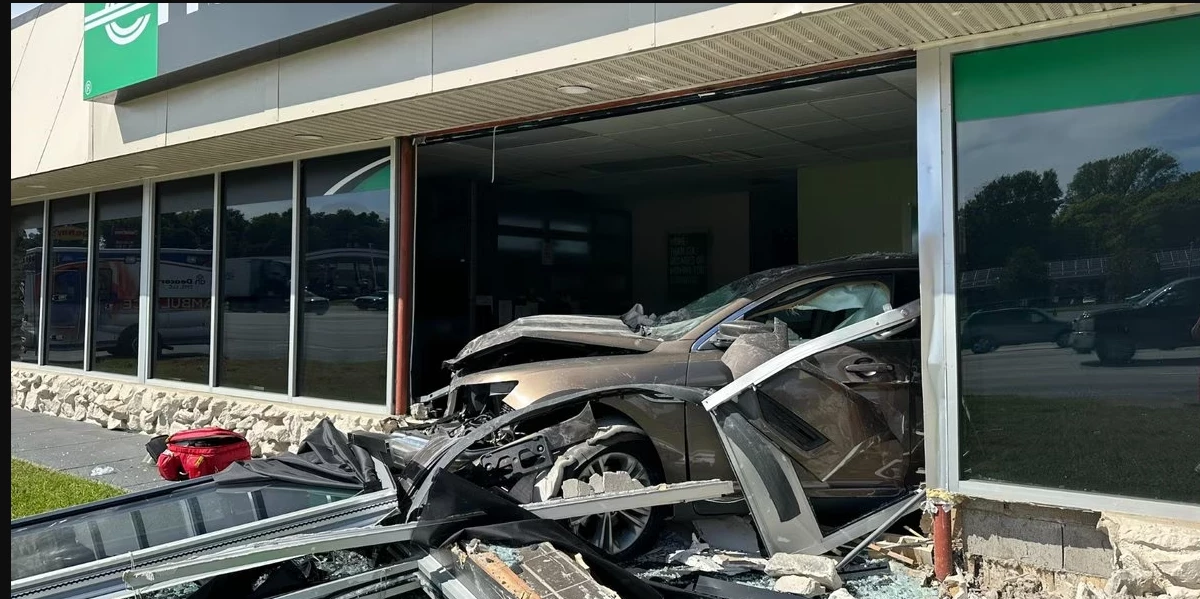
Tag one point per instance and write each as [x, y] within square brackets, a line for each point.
[725, 216]
[857, 207]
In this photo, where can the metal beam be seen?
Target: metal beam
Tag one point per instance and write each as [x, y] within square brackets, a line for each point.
[277, 550]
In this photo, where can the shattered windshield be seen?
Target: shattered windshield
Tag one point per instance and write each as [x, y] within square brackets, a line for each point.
[673, 325]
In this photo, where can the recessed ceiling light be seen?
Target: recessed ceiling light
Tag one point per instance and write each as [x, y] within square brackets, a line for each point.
[575, 90]
[36, 186]
[308, 136]
[146, 167]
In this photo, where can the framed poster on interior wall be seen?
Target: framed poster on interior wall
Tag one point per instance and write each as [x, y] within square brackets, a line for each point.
[687, 265]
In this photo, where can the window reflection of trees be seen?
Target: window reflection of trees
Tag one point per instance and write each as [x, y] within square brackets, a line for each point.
[1123, 208]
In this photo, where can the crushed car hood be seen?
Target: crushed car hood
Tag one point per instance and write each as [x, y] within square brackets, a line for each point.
[596, 331]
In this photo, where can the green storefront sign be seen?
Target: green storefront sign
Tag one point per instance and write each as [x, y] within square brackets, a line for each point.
[120, 46]
[144, 48]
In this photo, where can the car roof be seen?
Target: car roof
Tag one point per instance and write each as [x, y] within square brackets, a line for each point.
[787, 275]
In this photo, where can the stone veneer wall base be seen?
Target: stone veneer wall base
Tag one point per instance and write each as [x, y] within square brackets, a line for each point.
[270, 428]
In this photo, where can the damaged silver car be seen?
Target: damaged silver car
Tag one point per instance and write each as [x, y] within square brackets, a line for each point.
[668, 440]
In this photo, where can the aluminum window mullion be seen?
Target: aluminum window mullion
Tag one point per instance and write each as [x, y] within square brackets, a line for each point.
[44, 286]
[146, 294]
[931, 254]
[294, 314]
[947, 294]
[215, 277]
[89, 285]
[390, 390]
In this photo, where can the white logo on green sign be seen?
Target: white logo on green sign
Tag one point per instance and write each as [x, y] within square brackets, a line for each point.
[120, 45]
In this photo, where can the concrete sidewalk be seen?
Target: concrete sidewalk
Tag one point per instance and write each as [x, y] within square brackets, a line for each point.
[78, 447]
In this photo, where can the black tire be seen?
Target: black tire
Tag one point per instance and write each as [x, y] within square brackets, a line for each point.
[126, 346]
[1063, 340]
[591, 528]
[983, 344]
[1114, 350]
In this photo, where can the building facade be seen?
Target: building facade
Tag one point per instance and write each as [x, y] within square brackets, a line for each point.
[224, 217]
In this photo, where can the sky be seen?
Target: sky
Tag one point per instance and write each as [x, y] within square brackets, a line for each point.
[1065, 139]
[21, 7]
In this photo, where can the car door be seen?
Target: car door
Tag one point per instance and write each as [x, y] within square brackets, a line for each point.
[831, 412]
[809, 309]
[1167, 323]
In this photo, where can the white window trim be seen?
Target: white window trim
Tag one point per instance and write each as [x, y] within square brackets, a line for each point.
[936, 217]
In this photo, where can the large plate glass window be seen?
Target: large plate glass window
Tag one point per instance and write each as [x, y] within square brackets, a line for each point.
[1079, 261]
[343, 347]
[255, 288]
[183, 280]
[117, 285]
[67, 289]
[25, 281]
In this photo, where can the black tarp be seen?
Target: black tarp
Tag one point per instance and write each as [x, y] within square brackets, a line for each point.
[324, 459]
[498, 520]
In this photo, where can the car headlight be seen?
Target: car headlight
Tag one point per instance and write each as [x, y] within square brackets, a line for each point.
[484, 397]
[1085, 325]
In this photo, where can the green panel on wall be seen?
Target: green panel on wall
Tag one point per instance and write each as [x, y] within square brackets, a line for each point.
[1140, 62]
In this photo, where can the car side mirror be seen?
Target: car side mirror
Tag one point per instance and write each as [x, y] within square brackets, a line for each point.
[728, 332]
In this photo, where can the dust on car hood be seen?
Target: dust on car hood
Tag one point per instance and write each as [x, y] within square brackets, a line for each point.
[596, 331]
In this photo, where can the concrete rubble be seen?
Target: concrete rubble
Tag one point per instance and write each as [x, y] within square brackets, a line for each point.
[799, 585]
[819, 568]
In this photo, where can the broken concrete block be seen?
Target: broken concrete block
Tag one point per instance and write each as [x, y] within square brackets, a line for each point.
[821, 569]
[572, 488]
[799, 585]
[613, 482]
[841, 594]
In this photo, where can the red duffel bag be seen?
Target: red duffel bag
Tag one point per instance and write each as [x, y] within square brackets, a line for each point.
[198, 452]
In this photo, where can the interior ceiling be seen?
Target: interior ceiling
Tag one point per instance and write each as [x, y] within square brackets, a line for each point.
[855, 32]
[722, 141]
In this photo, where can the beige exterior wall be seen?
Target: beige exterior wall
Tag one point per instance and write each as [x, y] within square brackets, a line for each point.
[53, 127]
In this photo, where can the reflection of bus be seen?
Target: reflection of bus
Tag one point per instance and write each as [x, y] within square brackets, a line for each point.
[184, 288]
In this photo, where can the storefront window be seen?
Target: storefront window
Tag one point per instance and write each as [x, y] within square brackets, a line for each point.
[67, 289]
[183, 276]
[1079, 263]
[25, 281]
[343, 342]
[256, 278]
[116, 288]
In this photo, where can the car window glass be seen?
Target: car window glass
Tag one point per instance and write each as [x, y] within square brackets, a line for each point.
[1036, 317]
[815, 310]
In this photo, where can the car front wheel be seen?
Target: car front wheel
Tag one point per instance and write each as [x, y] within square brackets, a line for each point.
[627, 533]
[1063, 340]
[983, 345]
[1115, 349]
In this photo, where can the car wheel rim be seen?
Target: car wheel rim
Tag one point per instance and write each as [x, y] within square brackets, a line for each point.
[614, 532]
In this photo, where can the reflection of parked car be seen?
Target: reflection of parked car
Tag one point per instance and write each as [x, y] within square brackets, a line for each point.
[315, 303]
[987, 330]
[1161, 320]
[535, 357]
[372, 301]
